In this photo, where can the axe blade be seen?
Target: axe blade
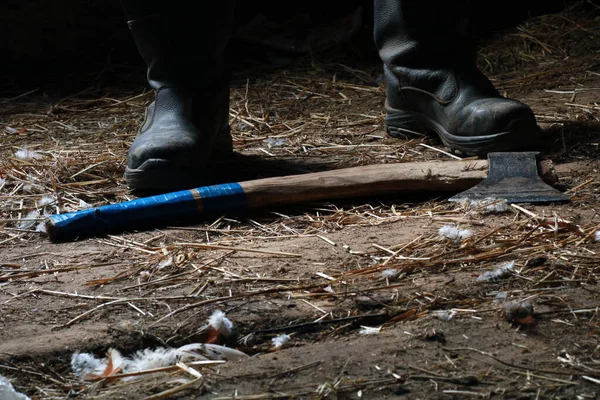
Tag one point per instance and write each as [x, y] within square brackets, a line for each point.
[513, 176]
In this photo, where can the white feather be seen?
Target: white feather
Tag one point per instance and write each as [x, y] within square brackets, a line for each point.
[8, 392]
[145, 275]
[454, 233]
[117, 360]
[85, 364]
[219, 322]
[502, 272]
[165, 262]
[281, 341]
[46, 200]
[213, 351]
[501, 296]
[26, 154]
[369, 330]
[83, 205]
[391, 273]
[151, 359]
[31, 184]
[30, 220]
[597, 236]
[444, 315]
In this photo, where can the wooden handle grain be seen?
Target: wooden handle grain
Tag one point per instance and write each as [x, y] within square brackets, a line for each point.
[373, 180]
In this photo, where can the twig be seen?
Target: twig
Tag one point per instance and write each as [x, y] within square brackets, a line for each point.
[51, 271]
[168, 393]
[362, 318]
[524, 211]
[103, 298]
[547, 378]
[292, 370]
[507, 363]
[576, 188]
[589, 378]
[439, 151]
[217, 247]
[20, 96]
[232, 298]
[163, 369]
[110, 303]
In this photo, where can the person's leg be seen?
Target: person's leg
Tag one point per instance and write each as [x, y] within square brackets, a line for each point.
[433, 84]
[182, 43]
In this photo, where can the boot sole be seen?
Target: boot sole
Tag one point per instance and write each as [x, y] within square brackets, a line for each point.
[409, 125]
[160, 175]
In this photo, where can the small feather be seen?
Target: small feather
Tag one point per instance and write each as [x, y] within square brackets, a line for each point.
[281, 341]
[30, 220]
[85, 365]
[369, 330]
[83, 205]
[390, 274]
[26, 154]
[151, 359]
[220, 323]
[213, 351]
[502, 272]
[46, 200]
[114, 365]
[444, 315]
[501, 296]
[8, 392]
[165, 262]
[454, 233]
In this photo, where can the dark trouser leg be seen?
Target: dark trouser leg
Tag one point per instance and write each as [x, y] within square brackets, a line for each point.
[433, 84]
[183, 44]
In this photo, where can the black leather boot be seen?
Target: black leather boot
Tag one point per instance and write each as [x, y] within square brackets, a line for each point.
[186, 126]
[433, 84]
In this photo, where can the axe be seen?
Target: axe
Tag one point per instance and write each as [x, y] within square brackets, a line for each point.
[513, 176]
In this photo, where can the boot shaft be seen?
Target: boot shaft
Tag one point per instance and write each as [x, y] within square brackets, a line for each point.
[182, 42]
[423, 33]
[424, 46]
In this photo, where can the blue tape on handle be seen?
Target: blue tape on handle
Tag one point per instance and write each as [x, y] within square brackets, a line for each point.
[150, 211]
[220, 199]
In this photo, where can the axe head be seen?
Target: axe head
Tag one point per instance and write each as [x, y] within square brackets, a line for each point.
[513, 176]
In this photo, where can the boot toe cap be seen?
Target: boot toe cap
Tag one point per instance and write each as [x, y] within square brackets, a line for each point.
[172, 147]
[495, 116]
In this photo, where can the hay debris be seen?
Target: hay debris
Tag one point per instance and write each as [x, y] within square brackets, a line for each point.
[318, 114]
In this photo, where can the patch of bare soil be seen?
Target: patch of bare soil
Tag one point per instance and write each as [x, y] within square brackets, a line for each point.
[376, 303]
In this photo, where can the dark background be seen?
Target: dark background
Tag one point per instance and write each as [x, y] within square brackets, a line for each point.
[65, 45]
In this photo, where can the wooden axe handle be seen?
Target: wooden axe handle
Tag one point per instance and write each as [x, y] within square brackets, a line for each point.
[372, 180]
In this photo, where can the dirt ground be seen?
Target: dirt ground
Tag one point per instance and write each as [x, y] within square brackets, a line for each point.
[319, 272]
